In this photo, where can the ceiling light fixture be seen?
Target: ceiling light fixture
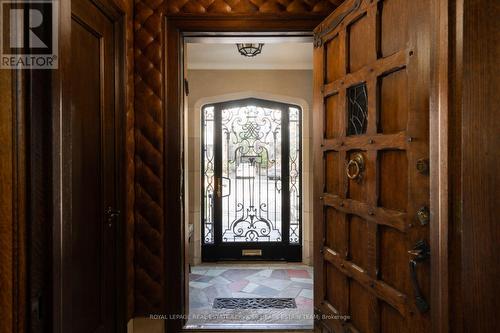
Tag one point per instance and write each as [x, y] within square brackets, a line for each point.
[250, 49]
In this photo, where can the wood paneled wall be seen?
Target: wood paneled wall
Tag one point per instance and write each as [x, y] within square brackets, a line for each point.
[26, 199]
[480, 166]
[12, 232]
[465, 139]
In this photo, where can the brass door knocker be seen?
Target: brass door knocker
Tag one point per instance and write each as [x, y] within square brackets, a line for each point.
[355, 166]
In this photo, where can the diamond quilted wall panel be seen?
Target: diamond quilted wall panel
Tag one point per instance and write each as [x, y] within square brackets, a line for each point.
[149, 233]
[128, 6]
[251, 6]
[149, 245]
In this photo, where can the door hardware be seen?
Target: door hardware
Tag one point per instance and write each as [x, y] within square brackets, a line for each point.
[420, 253]
[355, 166]
[423, 215]
[251, 253]
[222, 185]
[111, 214]
[219, 187]
[423, 166]
[36, 307]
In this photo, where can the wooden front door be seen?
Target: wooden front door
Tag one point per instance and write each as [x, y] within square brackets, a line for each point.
[94, 164]
[371, 198]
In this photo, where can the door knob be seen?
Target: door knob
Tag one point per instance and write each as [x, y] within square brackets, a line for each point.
[110, 214]
[355, 166]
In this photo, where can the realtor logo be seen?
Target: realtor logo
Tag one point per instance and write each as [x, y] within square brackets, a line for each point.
[29, 34]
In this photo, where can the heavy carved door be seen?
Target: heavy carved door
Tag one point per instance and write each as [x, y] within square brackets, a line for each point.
[371, 198]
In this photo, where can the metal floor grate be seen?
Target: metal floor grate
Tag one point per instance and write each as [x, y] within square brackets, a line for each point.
[254, 303]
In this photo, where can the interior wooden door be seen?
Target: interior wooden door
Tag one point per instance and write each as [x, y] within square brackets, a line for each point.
[94, 170]
[371, 198]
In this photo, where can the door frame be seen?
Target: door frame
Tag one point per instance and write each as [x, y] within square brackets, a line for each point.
[61, 167]
[272, 250]
[176, 30]
[176, 240]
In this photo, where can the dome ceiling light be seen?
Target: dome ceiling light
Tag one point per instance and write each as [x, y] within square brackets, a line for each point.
[250, 49]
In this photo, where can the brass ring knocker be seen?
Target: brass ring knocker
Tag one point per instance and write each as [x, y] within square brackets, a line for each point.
[355, 166]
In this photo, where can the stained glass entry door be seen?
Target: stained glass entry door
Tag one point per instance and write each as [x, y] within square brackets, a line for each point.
[251, 181]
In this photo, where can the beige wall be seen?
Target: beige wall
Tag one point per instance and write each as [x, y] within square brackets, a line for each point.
[206, 83]
[209, 86]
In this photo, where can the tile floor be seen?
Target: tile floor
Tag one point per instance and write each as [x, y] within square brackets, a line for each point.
[208, 282]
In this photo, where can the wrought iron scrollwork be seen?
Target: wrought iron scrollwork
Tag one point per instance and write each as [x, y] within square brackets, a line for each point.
[249, 162]
[208, 175]
[294, 175]
[252, 158]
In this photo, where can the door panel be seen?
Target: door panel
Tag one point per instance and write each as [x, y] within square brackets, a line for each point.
[371, 194]
[93, 170]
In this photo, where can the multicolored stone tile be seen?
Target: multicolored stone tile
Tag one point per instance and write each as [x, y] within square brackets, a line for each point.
[290, 292]
[280, 274]
[301, 285]
[266, 291]
[306, 293]
[301, 280]
[198, 285]
[208, 282]
[304, 303]
[204, 278]
[220, 280]
[194, 277]
[214, 272]
[237, 274]
[275, 283]
[249, 288]
[298, 273]
[238, 285]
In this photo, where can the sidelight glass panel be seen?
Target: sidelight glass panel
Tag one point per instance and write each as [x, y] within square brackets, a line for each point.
[208, 175]
[251, 174]
[294, 174]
